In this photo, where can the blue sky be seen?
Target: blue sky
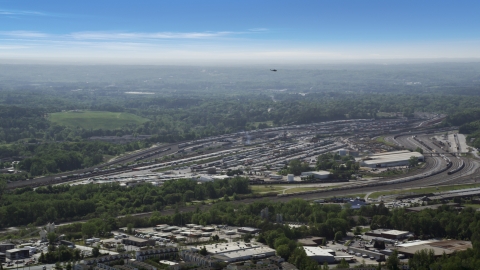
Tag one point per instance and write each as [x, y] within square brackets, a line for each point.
[260, 31]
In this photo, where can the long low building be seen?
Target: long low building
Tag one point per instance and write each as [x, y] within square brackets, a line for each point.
[438, 247]
[322, 175]
[138, 242]
[246, 254]
[390, 159]
[320, 255]
[389, 234]
[16, 254]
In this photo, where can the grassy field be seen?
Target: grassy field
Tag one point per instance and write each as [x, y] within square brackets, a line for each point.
[265, 188]
[96, 119]
[381, 139]
[301, 189]
[376, 195]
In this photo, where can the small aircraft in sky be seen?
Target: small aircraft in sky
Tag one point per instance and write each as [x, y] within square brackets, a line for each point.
[274, 70]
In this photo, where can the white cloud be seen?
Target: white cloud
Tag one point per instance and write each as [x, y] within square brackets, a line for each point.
[139, 35]
[22, 12]
[23, 34]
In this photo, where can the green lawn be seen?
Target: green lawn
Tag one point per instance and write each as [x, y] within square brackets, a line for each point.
[301, 189]
[376, 195]
[381, 139]
[265, 188]
[96, 119]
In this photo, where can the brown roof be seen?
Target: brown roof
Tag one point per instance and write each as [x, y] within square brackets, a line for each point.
[440, 247]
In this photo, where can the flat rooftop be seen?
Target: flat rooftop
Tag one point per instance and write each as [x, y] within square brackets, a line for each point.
[229, 256]
[386, 158]
[438, 247]
[228, 247]
[317, 251]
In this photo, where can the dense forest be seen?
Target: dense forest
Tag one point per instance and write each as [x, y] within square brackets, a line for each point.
[65, 202]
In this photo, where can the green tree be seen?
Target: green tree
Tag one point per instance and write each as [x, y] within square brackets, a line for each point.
[393, 262]
[338, 236]
[325, 266]
[130, 228]
[95, 252]
[412, 161]
[343, 265]
[419, 150]
[247, 237]
[422, 259]
[203, 251]
[88, 229]
[283, 251]
[52, 238]
[3, 187]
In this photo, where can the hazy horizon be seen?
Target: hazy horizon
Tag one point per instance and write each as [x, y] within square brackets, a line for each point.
[233, 33]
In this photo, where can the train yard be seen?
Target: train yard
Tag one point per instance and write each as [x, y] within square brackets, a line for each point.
[259, 152]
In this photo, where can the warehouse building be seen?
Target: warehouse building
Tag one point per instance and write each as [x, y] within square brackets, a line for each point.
[256, 253]
[18, 253]
[320, 255]
[311, 241]
[389, 234]
[248, 230]
[225, 247]
[390, 159]
[5, 247]
[138, 242]
[439, 247]
[321, 175]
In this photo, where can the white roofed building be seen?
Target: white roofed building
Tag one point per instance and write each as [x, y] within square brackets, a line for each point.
[390, 159]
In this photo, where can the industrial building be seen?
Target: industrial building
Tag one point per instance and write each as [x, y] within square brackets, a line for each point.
[17, 253]
[138, 242]
[311, 241]
[234, 252]
[5, 247]
[248, 230]
[258, 252]
[439, 247]
[320, 255]
[225, 247]
[390, 159]
[322, 175]
[389, 234]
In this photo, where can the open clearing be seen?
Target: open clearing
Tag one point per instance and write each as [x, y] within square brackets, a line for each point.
[96, 119]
